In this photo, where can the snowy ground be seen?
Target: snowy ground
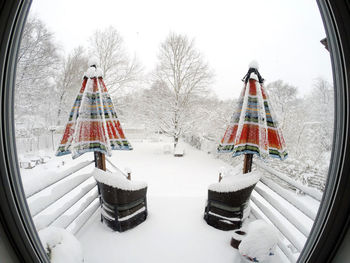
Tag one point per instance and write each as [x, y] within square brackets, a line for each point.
[174, 230]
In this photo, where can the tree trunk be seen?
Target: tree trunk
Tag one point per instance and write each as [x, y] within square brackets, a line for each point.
[247, 165]
[176, 127]
[176, 140]
[100, 160]
[58, 117]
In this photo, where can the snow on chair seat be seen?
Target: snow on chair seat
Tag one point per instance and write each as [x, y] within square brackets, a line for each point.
[228, 200]
[123, 202]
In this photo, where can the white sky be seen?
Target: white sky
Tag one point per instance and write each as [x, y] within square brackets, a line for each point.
[283, 36]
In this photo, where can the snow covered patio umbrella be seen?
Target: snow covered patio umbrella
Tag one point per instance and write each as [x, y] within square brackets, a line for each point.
[253, 128]
[93, 125]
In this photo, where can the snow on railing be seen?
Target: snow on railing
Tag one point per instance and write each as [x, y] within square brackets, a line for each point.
[116, 167]
[292, 214]
[307, 190]
[54, 193]
[48, 180]
[58, 211]
[83, 217]
[293, 217]
[76, 209]
[290, 197]
[66, 200]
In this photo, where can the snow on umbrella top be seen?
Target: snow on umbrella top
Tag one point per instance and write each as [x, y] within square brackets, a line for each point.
[93, 125]
[253, 128]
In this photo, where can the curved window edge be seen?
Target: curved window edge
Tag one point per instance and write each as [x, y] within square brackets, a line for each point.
[16, 221]
[332, 220]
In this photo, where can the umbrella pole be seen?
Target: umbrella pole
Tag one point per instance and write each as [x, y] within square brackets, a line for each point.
[100, 160]
[247, 165]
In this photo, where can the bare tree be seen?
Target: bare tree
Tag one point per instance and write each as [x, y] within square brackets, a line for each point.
[118, 69]
[290, 114]
[182, 72]
[37, 63]
[157, 104]
[282, 96]
[322, 100]
[69, 81]
[38, 55]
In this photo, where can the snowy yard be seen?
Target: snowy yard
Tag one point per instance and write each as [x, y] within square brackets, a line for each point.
[175, 230]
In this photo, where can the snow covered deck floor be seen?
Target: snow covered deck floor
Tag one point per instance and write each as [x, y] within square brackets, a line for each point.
[175, 230]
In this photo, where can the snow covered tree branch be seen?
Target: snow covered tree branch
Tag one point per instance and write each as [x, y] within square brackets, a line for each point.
[118, 69]
[69, 81]
[37, 64]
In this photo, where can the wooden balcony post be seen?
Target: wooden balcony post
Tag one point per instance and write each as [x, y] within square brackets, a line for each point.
[100, 160]
[220, 177]
[247, 165]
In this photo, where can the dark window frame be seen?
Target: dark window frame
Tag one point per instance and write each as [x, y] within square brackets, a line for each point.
[332, 221]
[16, 221]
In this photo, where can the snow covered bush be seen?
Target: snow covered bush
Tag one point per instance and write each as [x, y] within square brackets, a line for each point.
[61, 246]
[259, 243]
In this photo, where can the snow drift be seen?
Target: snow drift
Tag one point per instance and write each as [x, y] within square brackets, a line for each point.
[61, 246]
[260, 242]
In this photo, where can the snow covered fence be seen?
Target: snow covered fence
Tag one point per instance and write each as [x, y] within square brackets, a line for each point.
[64, 200]
[43, 140]
[284, 210]
[290, 197]
[307, 190]
[292, 214]
[48, 180]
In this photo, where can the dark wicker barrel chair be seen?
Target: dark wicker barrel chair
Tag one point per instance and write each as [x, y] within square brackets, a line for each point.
[227, 210]
[122, 209]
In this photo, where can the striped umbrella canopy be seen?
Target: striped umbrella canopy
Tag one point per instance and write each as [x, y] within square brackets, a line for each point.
[93, 125]
[253, 128]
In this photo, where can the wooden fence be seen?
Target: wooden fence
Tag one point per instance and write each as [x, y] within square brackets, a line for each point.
[67, 201]
[291, 213]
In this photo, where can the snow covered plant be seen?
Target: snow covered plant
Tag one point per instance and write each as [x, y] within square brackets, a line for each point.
[61, 246]
[259, 243]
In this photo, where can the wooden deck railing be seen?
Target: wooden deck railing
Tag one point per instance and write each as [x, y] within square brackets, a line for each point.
[67, 201]
[292, 214]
